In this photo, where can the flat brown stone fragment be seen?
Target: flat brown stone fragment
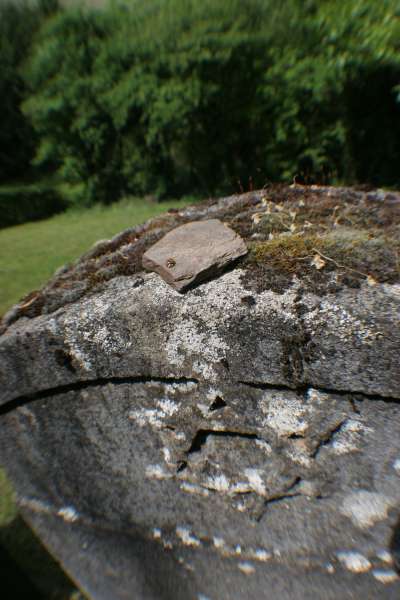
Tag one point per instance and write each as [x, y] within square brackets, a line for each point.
[194, 252]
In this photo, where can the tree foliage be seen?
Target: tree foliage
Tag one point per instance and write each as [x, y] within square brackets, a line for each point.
[18, 22]
[175, 96]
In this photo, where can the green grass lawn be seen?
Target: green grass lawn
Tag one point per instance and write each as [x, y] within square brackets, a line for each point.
[31, 252]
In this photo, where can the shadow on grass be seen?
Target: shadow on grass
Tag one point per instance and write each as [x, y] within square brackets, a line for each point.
[26, 568]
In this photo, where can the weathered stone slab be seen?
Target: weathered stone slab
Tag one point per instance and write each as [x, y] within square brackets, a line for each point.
[238, 441]
[194, 252]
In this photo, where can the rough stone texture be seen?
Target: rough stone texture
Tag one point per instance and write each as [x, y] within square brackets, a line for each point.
[239, 441]
[194, 252]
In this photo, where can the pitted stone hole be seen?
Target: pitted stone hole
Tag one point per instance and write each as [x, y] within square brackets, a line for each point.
[181, 466]
[354, 406]
[395, 546]
[201, 438]
[217, 404]
[296, 436]
[225, 364]
[64, 359]
[248, 300]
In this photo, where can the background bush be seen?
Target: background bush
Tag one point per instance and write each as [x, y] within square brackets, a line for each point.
[178, 96]
[21, 203]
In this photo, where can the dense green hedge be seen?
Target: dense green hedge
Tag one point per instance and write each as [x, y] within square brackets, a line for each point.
[177, 96]
[19, 204]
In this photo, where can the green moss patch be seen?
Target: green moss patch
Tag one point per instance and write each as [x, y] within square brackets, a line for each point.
[343, 257]
[8, 510]
[327, 237]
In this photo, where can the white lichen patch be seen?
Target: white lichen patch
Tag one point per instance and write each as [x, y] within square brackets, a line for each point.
[204, 410]
[254, 477]
[213, 393]
[192, 488]
[52, 326]
[186, 536]
[350, 437]
[286, 413]
[157, 472]
[246, 554]
[197, 342]
[167, 455]
[182, 388]
[168, 407]
[240, 506]
[354, 561]
[154, 417]
[205, 370]
[264, 446]
[188, 340]
[316, 396]
[385, 556]
[35, 505]
[334, 317]
[330, 568]
[157, 533]
[75, 351]
[298, 451]
[366, 508]
[147, 416]
[197, 323]
[74, 340]
[385, 575]
[68, 513]
[109, 341]
[396, 465]
[260, 554]
[219, 483]
[93, 336]
[246, 568]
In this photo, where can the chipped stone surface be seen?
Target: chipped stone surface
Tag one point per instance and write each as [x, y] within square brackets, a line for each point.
[365, 508]
[241, 441]
[385, 575]
[354, 561]
[194, 252]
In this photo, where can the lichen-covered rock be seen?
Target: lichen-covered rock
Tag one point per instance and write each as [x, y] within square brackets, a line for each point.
[238, 441]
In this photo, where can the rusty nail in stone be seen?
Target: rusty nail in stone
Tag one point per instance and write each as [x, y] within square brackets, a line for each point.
[170, 263]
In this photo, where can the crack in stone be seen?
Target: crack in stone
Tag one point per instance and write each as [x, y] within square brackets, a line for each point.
[327, 438]
[304, 389]
[11, 405]
[395, 546]
[290, 492]
[82, 385]
[202, 435]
